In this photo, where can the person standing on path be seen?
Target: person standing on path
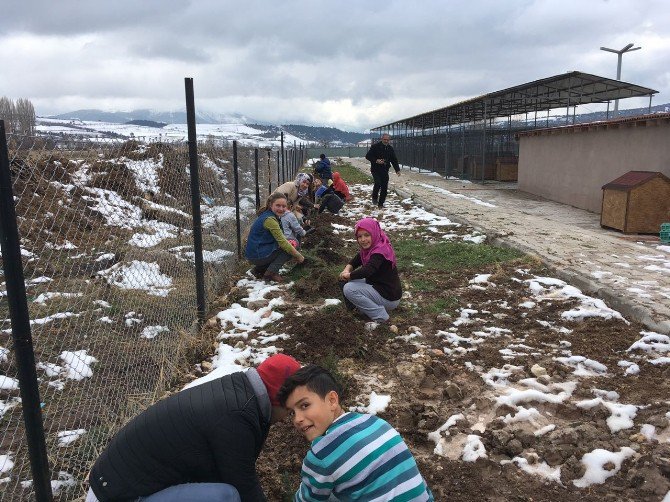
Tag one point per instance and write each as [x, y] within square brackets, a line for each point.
[381, 156]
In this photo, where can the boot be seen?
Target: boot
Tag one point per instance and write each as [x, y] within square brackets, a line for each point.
[272, 276]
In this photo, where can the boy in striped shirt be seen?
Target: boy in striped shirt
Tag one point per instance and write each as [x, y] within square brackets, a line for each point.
[353, 456]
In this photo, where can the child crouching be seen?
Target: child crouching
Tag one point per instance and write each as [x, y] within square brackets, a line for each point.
[353, 456]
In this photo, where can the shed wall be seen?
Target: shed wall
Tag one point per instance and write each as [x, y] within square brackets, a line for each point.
[572, 165]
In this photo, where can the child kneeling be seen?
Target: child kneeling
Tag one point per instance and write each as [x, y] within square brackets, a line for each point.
[352, 456]
[373, 284]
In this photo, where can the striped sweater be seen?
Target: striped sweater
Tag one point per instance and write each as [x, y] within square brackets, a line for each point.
[361, 457]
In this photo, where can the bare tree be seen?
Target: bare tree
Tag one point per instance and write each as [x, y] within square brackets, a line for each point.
[7, 113]
[25, 116]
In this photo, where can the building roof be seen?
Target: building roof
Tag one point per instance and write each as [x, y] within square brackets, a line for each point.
[632, 179]
[560, 91]
[637, 120]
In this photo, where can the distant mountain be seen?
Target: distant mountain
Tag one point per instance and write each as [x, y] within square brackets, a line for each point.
[325, 135]
[147, 123]
[171, 117]
[632, 112]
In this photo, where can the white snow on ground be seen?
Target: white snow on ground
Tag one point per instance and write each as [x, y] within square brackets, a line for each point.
[621, 415]
[549, 288]
[138, 275]
[6, 463]
[541, 469]
[455, 195]
[66, 438]
[77, 364]
[166, 209]
[47, 319]
[64, 481]
[116, 210]
[602, 464]
[256, 289]
[437, 437]
[473, 449]
[186, 253]
[245, 319]
[378, 404]
[153, 331]
[331, 301]
[146, 172]
[583, 366]
[8, 383]
[159, 232]
[44, 297]
[214, 215]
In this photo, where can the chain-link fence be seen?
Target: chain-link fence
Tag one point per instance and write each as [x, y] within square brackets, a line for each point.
[107, 252]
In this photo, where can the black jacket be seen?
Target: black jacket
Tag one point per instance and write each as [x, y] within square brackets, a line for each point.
[213, 432]
[380, 274]
[382, 151]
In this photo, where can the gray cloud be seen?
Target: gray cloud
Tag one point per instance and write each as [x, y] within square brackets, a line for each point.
[352, 63]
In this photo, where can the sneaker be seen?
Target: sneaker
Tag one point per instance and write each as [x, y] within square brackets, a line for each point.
[272, 276]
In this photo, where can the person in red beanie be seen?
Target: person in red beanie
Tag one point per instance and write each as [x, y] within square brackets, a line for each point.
[200, 444]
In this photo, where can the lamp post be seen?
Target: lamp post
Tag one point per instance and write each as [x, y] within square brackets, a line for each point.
[620, 54]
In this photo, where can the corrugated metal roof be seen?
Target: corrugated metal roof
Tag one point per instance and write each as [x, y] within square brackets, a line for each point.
[632, 179]
[559, 91]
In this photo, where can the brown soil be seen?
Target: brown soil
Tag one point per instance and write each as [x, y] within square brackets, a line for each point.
[441, 384]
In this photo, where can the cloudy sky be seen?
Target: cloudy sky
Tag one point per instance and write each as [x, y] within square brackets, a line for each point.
[352, 64]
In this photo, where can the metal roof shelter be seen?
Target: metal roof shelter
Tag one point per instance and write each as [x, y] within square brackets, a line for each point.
[560, 91]
[468, 139]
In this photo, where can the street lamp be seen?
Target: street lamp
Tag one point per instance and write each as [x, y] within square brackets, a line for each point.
[620, 54]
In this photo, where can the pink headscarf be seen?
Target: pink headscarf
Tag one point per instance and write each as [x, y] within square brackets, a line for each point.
[380, 242]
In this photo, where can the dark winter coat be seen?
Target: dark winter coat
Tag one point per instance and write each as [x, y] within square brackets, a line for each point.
[382, 151]
[212, 432]
[380, 274]
[323, 169]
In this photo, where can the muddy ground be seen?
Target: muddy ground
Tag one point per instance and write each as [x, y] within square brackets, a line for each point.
[437, 362]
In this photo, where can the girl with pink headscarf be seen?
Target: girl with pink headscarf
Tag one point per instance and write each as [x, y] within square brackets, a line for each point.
[372, 282]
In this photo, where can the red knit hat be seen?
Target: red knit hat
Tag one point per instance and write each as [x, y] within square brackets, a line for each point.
[274, 371]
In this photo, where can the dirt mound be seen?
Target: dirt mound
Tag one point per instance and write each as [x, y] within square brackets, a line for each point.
[320, 284]
[333, 332]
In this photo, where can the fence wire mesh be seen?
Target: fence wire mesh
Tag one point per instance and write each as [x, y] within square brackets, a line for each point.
[108, 256]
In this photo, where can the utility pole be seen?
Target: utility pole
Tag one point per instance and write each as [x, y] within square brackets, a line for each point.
[620, 54]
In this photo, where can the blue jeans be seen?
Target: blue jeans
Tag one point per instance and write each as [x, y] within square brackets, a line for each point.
[195, 492]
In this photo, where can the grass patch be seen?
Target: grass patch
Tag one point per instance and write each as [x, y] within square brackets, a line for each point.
[444, 305]
[423, 285]
[351, 175]
[451, 255]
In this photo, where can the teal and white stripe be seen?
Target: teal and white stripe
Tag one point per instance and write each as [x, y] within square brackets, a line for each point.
[361, 457]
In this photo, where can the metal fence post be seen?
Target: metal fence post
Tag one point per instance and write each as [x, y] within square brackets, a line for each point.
[195, 201]
[258, 188]
[269, 175]
[283, 172]
[23, 342]
[278, 168]
[237, 201]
